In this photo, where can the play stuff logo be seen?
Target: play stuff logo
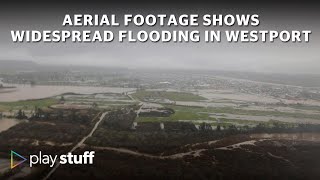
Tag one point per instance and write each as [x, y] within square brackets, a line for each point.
[21, 159]
[50, 160]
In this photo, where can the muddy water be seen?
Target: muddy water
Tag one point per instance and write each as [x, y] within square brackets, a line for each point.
[7, 123]
[25, 92]
[289, 136]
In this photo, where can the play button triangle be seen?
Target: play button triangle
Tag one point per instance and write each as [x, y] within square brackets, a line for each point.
[15, 164]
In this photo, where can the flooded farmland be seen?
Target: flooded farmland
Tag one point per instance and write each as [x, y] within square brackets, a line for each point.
[266, 118]
[315, 137]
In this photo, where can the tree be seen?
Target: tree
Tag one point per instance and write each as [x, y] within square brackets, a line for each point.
[73, 115]
[36, 112]
[94, 105]
[218, 127]
[205, 127]
[62, 99]
[32, 83]
[21, 115]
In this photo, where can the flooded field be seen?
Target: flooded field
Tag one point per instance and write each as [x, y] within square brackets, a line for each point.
[225, 104]
[289, 136]
[266, 118]
[204, 104]
[102, 100]
[282, 109]
[26, 92]
[217, 95]
[214, 95]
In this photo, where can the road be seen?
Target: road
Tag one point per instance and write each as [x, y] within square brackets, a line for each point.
[194, 153]
[79, 144]
[140, 104]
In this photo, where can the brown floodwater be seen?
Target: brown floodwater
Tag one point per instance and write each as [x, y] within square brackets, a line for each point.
[26, 92]
[7, 123]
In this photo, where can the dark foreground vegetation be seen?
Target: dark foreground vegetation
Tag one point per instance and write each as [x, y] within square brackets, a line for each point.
[52, 131]
[55, 131]
[270, 159]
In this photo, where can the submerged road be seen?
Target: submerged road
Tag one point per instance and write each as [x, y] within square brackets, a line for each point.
[79, 144]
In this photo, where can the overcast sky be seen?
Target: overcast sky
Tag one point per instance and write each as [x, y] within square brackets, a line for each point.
[259, 57]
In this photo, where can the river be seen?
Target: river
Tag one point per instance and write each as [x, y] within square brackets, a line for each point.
[7, 123]
[25, 92]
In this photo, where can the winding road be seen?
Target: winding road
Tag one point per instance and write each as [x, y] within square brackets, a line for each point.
[79, 144]
[194, 153]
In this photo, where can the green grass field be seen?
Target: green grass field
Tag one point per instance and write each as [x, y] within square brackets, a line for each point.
[27, 105]
[173, 96]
